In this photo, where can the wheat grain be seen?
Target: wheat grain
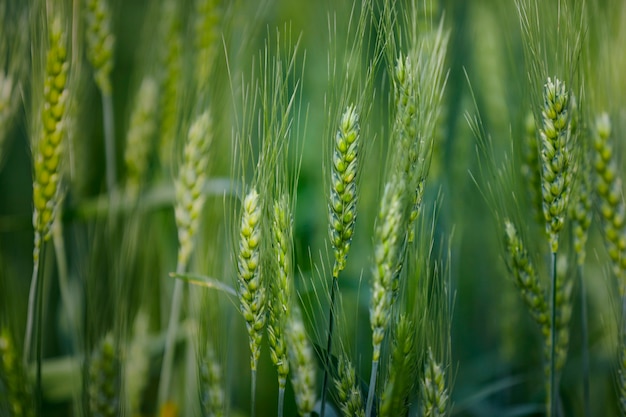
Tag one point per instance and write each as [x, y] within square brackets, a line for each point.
[100, 42]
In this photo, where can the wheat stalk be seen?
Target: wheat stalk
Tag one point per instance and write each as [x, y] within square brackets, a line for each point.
[190, 198]
[49, 136]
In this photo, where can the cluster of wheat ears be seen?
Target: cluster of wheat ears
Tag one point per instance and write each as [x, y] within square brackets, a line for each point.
[218, 190]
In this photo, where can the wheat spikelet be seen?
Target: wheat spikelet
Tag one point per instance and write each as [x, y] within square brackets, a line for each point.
[343, 190]
[13, 378]
[302, 363]
[104, 379]
[140, 133]
[280, 287]
[348, 392]
[555, 158]
[100, 42]
[251, 291]
[192, 177]
[434, 392]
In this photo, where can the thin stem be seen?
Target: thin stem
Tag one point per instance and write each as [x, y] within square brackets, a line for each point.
[32, 295]
[281, 401]
[553, 388]
[585, 342]
[109, 141]
[253, 393]
[329, 344]
[61, 261]
[39, 330]
[372, 389]
[170, 339]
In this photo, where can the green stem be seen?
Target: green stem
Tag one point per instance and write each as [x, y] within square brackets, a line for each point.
[372, 389]
[32, 295]
[253, 393]
[109, 141]
[39, 330]
[553, 388]
[329, 345]
[61, 261]
[172, 329]
[585, 342]
[281, 401]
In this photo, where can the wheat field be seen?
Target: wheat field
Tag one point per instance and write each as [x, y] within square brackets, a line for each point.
[312, 208]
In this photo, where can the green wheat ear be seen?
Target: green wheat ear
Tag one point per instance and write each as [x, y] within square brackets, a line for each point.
[16, 392]
[140, 134]
[531, 168]
[402, 370]
[100, 42]
[343, 190]
[608, 186]
[212, 397]
[280, 287]
[555, 158]
[526, 278]
[49, 146]
[302, 363]
[192, 177]
[349, 395]
[434, 392]
[104, 379]
[388, 237]
[251, 288]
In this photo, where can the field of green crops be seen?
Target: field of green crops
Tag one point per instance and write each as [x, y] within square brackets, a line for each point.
[314, 208]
